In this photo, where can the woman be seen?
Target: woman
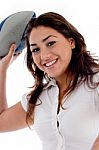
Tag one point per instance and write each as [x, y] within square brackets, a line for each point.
[63, 104]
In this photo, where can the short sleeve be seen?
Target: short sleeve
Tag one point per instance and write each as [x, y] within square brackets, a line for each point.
[97, 80]
[24, 102]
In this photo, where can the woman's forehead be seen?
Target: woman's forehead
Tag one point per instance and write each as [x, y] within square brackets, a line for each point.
[42, 32]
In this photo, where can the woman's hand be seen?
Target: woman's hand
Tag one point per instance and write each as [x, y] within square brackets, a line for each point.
[8, 59]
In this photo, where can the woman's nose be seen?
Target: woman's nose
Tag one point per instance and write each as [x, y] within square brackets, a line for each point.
[45, 54]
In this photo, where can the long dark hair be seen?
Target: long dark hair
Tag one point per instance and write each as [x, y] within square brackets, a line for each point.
[82, 64]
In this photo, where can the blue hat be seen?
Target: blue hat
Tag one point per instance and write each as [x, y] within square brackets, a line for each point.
[12, 30]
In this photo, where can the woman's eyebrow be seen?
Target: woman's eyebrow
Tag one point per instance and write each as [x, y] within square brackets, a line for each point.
[33, 44]
[46, 38]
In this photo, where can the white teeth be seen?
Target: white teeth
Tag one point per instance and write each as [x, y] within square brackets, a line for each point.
[50, 63]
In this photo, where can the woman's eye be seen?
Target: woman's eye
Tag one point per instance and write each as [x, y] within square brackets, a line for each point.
[35, 50]
[51, 43]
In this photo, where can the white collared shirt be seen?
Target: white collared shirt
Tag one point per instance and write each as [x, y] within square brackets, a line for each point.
[78, 122]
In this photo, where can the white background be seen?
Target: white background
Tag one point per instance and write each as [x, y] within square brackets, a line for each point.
[84, 15]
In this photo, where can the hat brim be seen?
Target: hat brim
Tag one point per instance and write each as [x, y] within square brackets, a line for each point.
[12, 29]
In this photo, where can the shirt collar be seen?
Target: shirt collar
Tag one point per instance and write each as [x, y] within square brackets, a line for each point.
[50, 83]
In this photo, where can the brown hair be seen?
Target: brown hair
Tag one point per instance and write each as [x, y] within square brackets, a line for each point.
[81, 65]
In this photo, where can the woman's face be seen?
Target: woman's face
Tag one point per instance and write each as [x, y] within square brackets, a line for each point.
[51, 51]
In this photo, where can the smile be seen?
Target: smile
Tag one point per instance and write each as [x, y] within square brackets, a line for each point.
[49, 64]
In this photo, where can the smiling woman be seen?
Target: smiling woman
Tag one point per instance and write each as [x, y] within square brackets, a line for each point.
[51, 51]
[63, 70]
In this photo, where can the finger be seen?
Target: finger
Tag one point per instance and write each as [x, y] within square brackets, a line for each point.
[12, 49]
[9, 56]
[15, 56]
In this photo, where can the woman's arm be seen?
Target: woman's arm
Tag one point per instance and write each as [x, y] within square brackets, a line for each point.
[96, 144]
[12, 118]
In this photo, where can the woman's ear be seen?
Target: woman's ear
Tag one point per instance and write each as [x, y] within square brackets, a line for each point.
[72, 42]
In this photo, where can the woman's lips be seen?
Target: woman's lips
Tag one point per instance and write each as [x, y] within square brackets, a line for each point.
[51, 63]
